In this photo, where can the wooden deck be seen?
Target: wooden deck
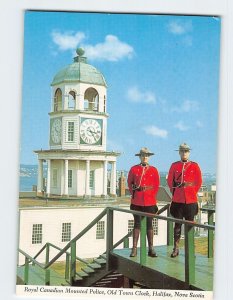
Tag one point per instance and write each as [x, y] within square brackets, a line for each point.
[37, 276]
[162, 272]
[169, 269]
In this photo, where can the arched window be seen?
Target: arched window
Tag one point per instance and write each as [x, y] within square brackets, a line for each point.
[71, 100]
[57, 104]
[91, 100]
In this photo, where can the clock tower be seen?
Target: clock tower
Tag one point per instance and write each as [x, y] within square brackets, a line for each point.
[77, 161]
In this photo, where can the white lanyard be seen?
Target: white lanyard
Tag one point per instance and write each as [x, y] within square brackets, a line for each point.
[143, 171]
[182, 175]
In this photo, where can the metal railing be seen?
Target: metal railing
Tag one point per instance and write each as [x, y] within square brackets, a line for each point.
[70, 249]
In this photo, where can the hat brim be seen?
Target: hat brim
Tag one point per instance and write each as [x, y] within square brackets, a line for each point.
[183, 149]
[149, 154]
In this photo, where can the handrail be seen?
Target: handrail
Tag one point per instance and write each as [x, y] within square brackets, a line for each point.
[160, 211]
[40, 251]
[164, 208]
[31, 258]
[143, 214]
[60, 249]
[71, 256]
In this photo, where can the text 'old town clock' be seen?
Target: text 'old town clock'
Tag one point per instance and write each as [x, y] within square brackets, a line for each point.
[91, 131]
[55, 131]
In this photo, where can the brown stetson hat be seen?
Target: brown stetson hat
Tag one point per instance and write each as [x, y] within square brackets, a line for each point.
[144, 150]
[184, 147]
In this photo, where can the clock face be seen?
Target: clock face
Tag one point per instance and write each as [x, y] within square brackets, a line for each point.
[90, 132]
[56, 128]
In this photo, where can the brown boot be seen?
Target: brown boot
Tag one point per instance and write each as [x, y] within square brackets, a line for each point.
[177, 232]
[175, 252]
[150, 235]
[136, 233]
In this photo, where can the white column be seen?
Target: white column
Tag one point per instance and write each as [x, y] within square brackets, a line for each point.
[113, 179]
[40, 176]
[87, 181]
[48, 176]
[66, 177]
[62, 182]
[77, 178]
[105, 178]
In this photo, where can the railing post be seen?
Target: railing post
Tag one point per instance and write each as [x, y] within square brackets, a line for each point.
[143, 241]
[109, 241]
[210, 234]
[169, 230]
[67, 270]
[47, 271]
[26, 271]
[189, 255]
[126, 243]
[73, 261]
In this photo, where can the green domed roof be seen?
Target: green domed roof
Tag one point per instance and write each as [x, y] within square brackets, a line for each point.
[79, 71]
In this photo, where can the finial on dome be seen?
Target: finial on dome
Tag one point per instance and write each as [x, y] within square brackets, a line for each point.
[80, 58]
[80, 51]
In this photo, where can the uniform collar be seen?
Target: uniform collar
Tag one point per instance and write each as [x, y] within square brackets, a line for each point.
[185, 162]
[144, 165]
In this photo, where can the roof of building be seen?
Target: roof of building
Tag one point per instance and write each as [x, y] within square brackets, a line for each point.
[73, 202]
[79, 71]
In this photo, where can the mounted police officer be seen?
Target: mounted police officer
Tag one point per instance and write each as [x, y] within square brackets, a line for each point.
[184, 180]
[143, 183]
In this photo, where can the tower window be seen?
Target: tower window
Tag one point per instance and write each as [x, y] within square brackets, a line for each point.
[70, 131]
[37, 234]
[66, 232]
[91, 100]
[71, 100]
[57, 102]
[70, 178]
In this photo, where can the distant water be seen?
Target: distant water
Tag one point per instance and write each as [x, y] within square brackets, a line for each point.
[28, 178]
[26, 183]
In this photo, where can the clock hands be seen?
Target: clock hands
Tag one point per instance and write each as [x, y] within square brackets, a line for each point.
[94, 133]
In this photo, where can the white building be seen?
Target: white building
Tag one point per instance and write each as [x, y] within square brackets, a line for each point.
[58, 225]
[77, 161]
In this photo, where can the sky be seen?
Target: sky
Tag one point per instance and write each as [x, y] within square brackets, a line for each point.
[162, 73]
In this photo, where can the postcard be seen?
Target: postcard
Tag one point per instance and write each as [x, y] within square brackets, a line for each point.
[118, 155]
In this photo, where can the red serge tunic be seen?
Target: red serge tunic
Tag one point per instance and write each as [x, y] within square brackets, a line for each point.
[143, 183]
[184, 180]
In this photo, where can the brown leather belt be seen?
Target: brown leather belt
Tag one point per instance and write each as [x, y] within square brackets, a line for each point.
[179, 184]
[144, 188]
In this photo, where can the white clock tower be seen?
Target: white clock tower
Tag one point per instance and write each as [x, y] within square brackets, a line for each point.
[77, 161]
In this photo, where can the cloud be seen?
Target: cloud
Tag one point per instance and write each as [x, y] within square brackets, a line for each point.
[178, 27]
[68, 40]
[137, 96]
[112, 49]
[155, 131]
[181, 126]
[186, 106]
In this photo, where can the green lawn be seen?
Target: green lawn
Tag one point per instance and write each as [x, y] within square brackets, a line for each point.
[59, 267]
[201, 245]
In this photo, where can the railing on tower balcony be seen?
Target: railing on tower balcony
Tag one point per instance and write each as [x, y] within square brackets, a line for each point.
[70, 249]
